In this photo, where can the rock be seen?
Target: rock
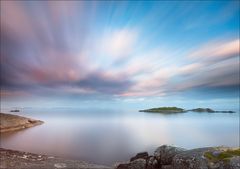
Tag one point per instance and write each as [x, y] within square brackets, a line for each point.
[122, 166]
[152, 163]
[136, 164]
[169, 157]
[10, 122]
[191, 159]
[234, 163]
[167, 167]
[165, 154]
[143, 155]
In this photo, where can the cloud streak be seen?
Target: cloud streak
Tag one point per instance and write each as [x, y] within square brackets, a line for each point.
[92, 49]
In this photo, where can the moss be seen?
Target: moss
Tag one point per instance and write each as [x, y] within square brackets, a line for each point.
[223, 156]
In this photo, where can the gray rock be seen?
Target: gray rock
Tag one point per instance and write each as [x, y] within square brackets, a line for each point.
[191, 159]
[122, 166]
[235, 162]
[152, 163]
[136, 164]
[143, 155]
[167, 167]
[164, 154]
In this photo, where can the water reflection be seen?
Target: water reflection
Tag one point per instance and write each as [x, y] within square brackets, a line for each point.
[104, 137]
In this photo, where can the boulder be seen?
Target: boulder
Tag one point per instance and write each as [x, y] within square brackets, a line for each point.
[136, 164]
[122, 166]
[191, 159]
[164, 154]
[143, 155]
[152, 163]
[234, 162]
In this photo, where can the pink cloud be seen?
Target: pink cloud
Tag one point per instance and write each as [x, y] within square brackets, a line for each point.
[15, 19]
[217, 50]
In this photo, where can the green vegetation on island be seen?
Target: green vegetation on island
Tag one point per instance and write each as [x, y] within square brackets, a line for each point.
[209, 110]
[180, 110]
[164, 110]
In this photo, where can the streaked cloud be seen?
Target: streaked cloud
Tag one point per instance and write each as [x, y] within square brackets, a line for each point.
[217, 50]
[116, 50]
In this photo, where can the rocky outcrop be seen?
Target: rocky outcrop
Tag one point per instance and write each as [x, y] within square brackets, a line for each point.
[165, 154]
[10, 122]
[170, 157]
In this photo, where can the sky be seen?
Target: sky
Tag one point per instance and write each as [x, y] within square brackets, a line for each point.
[120, 54]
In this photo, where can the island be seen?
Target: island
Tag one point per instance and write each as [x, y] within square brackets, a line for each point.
[15, 110]
[164, 110]
[10, 122]
[209, 110]
[169, 110]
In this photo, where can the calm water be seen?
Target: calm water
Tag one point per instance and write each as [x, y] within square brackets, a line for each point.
[107, 136]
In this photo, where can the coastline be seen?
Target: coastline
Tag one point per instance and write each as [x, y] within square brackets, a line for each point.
[170, 157]
[23, 160]
[11, 122]
[164, 157]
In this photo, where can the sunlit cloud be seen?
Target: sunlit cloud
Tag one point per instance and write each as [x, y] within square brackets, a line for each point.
[217, 50]
[119, 43]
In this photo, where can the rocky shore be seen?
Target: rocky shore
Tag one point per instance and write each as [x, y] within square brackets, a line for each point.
[169, 157]
[10, 122]
[10, 159]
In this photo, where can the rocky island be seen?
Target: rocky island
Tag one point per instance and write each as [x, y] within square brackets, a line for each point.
[10, 122]
[209, 110]
[164, 110]
[169, 110]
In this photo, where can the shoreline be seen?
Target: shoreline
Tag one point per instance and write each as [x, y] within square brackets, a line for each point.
[24, 160]
[11, 122]
[164, 157]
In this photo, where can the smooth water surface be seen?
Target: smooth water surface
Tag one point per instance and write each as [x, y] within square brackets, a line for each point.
[107, 136]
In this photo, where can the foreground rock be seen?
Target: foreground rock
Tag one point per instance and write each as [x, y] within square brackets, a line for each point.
[10, 159]
[10, 122]
[169, 157]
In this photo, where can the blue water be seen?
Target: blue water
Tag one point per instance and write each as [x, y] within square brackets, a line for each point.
[106, 136]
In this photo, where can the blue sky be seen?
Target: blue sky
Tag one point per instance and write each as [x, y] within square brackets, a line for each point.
[125, 54]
